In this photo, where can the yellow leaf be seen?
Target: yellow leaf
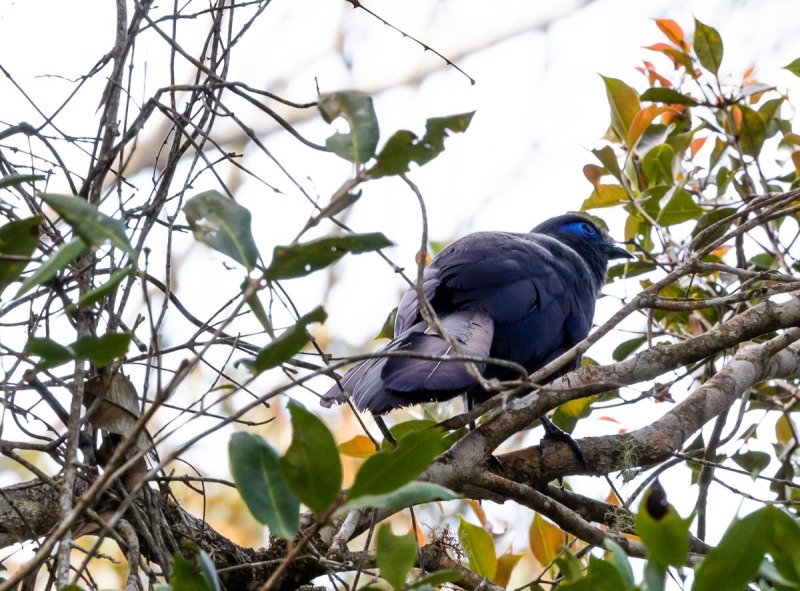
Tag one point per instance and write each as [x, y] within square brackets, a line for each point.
[605, 196]
[784, 429]
[624, 103]
[546, 540]
[479, 548]
[359, 446]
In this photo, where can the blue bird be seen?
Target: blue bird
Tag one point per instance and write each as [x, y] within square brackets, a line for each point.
[525, 298]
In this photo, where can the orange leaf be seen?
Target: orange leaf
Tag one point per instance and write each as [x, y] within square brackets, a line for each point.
[660, 47]
[674, 112]
[641, 122]
[737, 118]
[613, 499]
[546, 540]
[505, 564]
[419, 532]
[478, 510]
[696, 145]
[592, 172]
[609, 419]
[672, 30]
[721, 251]
[749, 72]
[359, 446]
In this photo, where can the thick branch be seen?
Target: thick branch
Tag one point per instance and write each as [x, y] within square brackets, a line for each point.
[657, 442]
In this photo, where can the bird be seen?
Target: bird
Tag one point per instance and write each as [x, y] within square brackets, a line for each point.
[521, 297]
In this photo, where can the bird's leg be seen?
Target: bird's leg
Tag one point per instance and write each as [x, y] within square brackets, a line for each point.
[387, 435]
[553, 433]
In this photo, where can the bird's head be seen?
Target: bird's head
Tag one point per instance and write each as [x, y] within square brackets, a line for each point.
[584, 234]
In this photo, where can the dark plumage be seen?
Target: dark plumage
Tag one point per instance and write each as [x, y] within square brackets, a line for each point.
[526, 298]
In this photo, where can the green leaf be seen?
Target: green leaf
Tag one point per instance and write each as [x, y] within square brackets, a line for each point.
[609, 161]
[52, 354]
[388, 470]
[99, 292]
[753, 131]
[666, 536]
[707, 220]
[208, 571]
[794, 67]
[356, 108]
[255, 467]
[680, 208]
[94, 227]
[655, 576]
[601, 576]
[479, 548]
[605, 196]
[629, 269]
[338, 205]
[619, 560]
[395, 556]
[623, 350]
[260, 313]
[413, 493]
[569, 566]
[17, 239]
[657, 165]
[387, 330]
[224, 225]
[735, 560]
[753, 461]
[14, 180]
[102, 350]
[289, 343]
[667, 96]
[784, 545]
[58, 261]
[311, 465]
[403, 147]
[567, 415]
[187, 577]
[299, 260]
[437, 579]
[707, 46]
[624, 102]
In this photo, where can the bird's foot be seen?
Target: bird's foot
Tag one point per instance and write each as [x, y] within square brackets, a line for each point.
[553, 433]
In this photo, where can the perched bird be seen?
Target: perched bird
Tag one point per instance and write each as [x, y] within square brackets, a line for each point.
[525, 298]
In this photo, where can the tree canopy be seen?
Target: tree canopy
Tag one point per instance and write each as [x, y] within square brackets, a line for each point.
[114, 371]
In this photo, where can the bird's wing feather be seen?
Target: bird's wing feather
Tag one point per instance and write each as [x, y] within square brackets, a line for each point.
[384, 383]
[472, 332]
[476, 271]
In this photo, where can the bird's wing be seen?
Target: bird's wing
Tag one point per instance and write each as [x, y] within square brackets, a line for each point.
[384, 383]
[481, 271]
[472, 332]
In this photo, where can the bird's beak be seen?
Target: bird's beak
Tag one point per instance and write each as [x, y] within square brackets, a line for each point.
[618, 252]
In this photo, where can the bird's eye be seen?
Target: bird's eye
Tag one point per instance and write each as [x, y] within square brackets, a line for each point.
[588, 229]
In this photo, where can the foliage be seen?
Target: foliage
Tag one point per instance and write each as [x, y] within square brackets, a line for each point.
[701, 164]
